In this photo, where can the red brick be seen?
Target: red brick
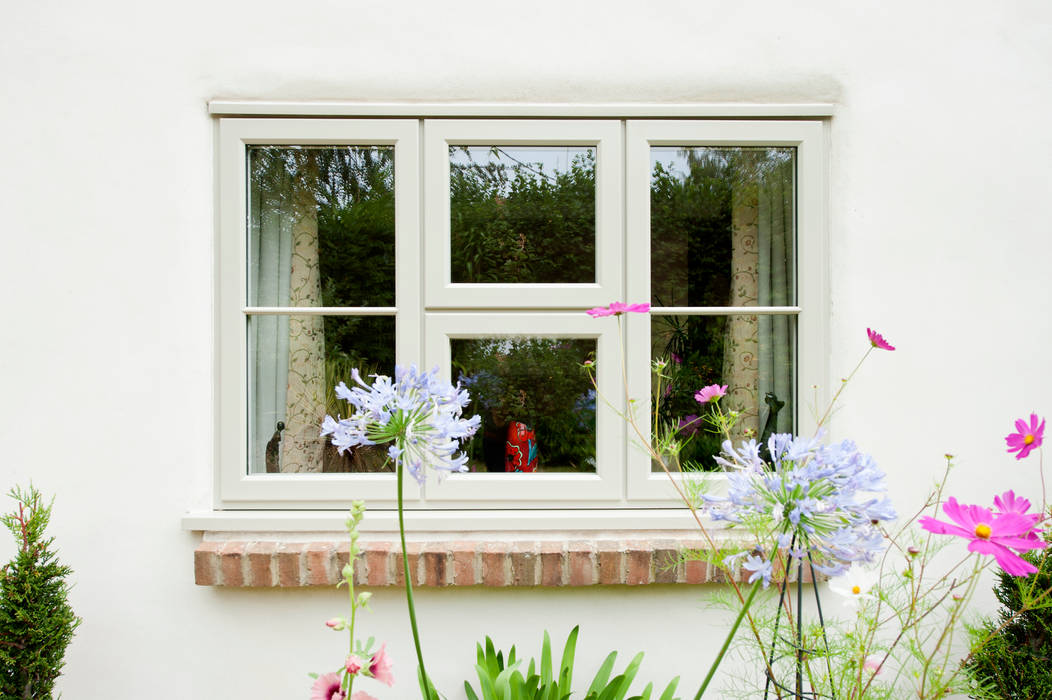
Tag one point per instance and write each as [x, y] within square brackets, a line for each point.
[260, 560]
[319, 564]
[231, 557]
[494, 555]
[695, 571]
[464, 573]
[552, 560]
[637, 556]
[666, 561]
[524, 564]
[610, 562]
[580, 564]
[290, 556]
[341, 555]
[434, 556]
[206, 563]
[413, 555]
[378, 556]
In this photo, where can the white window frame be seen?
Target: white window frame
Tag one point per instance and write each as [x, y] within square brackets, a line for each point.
[810, 310]
[235, 487]
[604, 136]
[430, 310]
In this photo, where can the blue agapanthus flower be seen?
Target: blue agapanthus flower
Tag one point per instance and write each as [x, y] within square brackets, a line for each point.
[811, 498]
[417, 412]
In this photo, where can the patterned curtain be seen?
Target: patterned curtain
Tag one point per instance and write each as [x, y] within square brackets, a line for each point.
[287, 366]
[758, 356]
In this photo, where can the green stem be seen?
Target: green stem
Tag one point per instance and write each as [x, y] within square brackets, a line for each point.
[408, 584]
[354, 613]
[727, 641]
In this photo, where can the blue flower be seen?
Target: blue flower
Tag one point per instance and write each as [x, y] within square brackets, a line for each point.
[417, 412]
[818, 499]
[761, 569]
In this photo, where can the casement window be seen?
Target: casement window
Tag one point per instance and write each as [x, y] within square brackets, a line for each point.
[475, 244]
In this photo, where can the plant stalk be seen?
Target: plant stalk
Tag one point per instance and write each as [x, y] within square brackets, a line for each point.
[727, 641]
[408, 584]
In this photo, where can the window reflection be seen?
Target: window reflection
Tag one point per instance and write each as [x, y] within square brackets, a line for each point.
[722, 226]
[753, 355]
[536, 401]
[522, 214]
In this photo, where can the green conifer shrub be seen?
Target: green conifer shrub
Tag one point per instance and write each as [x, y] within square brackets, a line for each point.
[36, 620]
[1012, 655]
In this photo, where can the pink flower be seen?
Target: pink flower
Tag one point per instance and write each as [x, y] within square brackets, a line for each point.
[872, 664]
[1008, 502]
[996, 535]
[362, 695]
[380, 666]
[877, 340]
[336, 623]
[327, 687]
[617, 308]
[353, 664]
[1026, 437]
[710, 393]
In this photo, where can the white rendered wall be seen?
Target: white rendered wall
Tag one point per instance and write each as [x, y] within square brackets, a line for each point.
[940, 237]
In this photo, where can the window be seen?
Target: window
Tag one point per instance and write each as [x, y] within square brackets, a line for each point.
[476, 244]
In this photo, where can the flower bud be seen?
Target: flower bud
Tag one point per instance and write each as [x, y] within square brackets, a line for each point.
[354, 664]
[348, 571]
[363, 598]
[913, 551]
[336, 623]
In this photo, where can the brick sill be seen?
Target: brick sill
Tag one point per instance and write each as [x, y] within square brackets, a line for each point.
[270, 563]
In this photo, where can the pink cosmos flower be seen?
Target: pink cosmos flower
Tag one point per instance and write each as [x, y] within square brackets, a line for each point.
[380, 666]
[872, 664]
[354, 664]
[992, 534]
[617, 308]
[1026, 437]
[1008, 502]
[327, 687]
[877, 340]
[710, 393]
[362, 695]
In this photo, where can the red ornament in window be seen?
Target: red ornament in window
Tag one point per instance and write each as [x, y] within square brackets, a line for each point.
[520, 452]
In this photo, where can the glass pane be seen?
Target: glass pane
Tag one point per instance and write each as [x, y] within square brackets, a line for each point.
[722, 226]
[522, 214]
[321, 228]
[294, 362]
[753, 355]
[536, 402]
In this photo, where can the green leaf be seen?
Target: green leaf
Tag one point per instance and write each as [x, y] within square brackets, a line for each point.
[546, 660]
[485, 683]
[603, 674]
[670, 689]
[566, 665]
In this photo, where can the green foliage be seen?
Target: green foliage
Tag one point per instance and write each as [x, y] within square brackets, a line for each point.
[504, 680]
[36, 621]
[537, 381]
[518, 224]
[1012, 655]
